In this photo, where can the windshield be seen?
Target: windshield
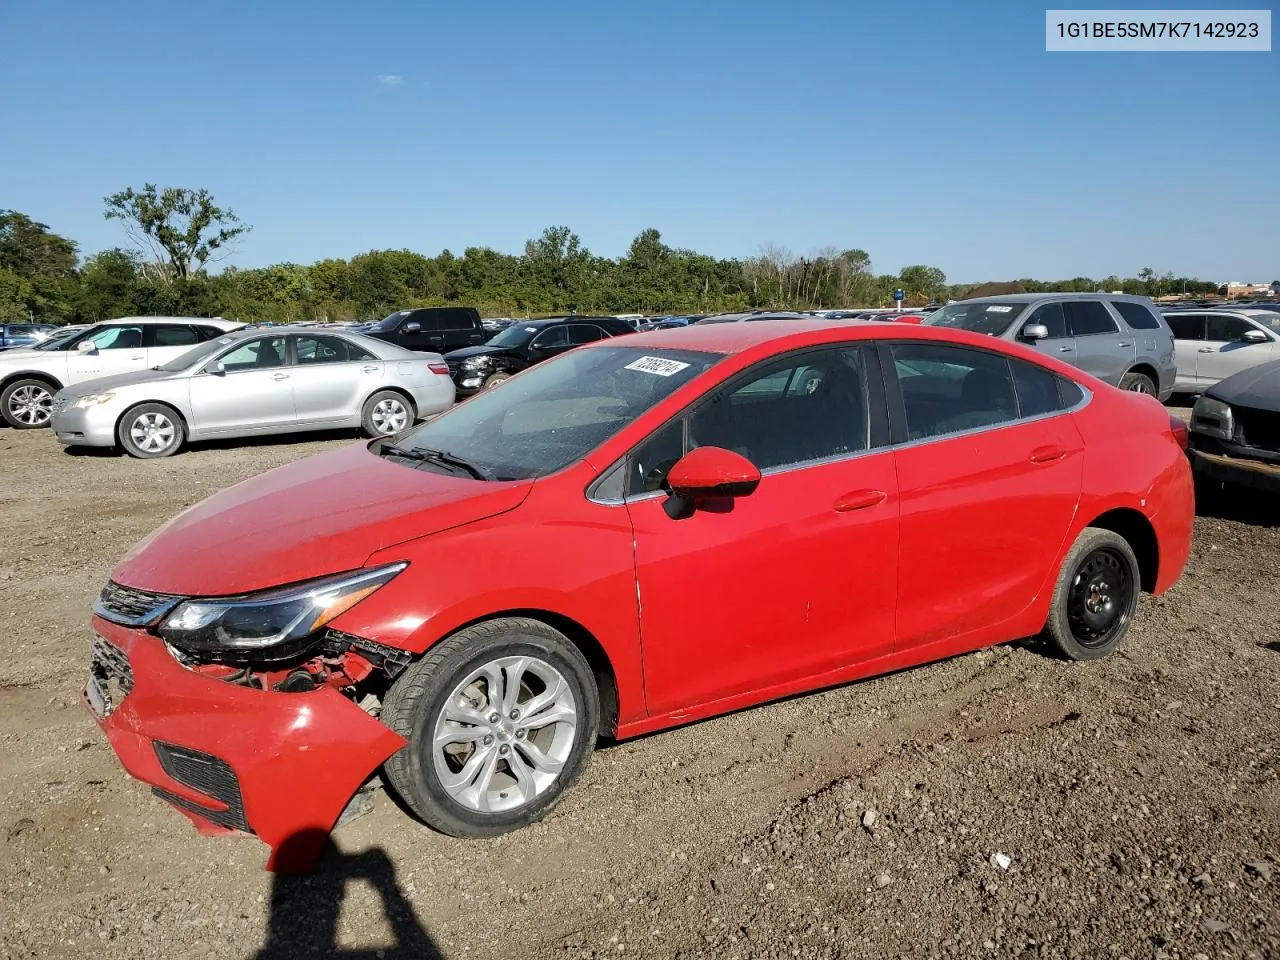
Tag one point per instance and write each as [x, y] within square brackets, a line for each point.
[516, 335]
[195, 355]
[556, 412]
[981, 316]
[387, 323]
[60, 340]
[1268, 319]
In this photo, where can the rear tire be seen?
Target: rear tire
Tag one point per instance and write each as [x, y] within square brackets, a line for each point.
[472, 768]
[386, 413]
[1138, 383]
[495, 379]
[27, 404]
[1095, 596]
[150, 431]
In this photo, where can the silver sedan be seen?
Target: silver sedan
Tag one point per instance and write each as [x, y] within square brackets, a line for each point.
[256, 382]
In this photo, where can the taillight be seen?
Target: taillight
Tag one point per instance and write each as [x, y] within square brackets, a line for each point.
[1178, 427]
[440, 368]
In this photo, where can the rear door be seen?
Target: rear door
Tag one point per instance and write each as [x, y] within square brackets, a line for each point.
[1102, 348]
[1188, 337]
[168, 341]
[989, 475]
[252, 394]
[331, 378]
[1224, 350]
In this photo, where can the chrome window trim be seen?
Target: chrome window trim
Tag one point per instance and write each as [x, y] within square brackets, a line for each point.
[1085, 400]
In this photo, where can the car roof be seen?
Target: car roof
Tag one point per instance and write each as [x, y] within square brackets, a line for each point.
[1047, 295]
[208, 321]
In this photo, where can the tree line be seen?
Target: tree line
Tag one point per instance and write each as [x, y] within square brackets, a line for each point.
[174, 235]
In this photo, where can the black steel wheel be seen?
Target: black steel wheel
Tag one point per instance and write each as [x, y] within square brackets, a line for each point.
[1095, 597]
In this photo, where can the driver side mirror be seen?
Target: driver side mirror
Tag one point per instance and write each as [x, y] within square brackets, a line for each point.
[1254, 336]
[1035, 331]
[216, 368]
[413, 326]
[708, 473]
[87, 346]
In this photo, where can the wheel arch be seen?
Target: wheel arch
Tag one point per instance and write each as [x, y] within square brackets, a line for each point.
[413, 405]
[587, 644]
[1141, 537]
[48, 378]
[1147, 370]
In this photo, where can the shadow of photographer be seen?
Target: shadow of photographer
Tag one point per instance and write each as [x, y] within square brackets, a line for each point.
[303, 921]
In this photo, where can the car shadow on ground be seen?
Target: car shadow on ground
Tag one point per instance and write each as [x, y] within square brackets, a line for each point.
[267, 440]
[303, 921]
[1238, 504]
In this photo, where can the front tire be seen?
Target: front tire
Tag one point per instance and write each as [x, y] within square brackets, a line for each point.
[495, 380]
[1138, 383]
[501, 719]
[1095, 596]
[150, 431]
[386, 413]
[27, 404]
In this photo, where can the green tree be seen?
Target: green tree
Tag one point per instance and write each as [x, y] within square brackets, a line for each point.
[182, 228]
[37, 270]
[108, 287]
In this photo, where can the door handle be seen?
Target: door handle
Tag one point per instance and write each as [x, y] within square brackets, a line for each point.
[1206, 350]
[369, 368]
[1125, 343]
[1047, 454]
[279, 376]
[859, 500]
[1065, 349]
[141, 356]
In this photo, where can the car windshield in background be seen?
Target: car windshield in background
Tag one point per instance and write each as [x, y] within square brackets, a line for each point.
[387, 323]
[516, 335]
[63, 339]
[195, 355]
[1271, 321]
[552, 414]
[982, 317]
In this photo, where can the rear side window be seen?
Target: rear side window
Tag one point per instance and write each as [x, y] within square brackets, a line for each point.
[172, 335]
[949, 390]
[448, 320]
[1088, 317]
[1186, 326]
[1037, 389]
[585, 333]
[207, 333]
[1070, 393]
[1136, 315]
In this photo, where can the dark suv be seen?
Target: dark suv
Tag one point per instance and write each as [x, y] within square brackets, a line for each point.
[522, 345]
[434, 329]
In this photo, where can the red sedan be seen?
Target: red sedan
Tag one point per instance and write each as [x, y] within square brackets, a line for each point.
[638, 534]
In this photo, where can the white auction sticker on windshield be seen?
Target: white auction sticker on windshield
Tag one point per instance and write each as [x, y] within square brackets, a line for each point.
[660, 366]
[999, 309]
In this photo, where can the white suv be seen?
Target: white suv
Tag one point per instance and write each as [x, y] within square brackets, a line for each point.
[30, 378]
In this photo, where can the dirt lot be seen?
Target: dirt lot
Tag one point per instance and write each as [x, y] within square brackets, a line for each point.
[998, 804]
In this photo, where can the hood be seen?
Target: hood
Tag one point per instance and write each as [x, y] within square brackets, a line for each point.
[325, 514]
[102, 384]
[1257, 387]
[21, 354]
[483, 350]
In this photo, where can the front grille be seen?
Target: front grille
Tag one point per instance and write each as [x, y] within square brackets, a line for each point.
[132, 607]
[1257, 428]
[110, 677]
[205, 774]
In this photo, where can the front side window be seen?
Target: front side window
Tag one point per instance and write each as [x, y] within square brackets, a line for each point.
[260, 354]
[1226, 329]
[1051, 315]
[949, 389]
[1086, 318]
[117, 338]
[554, 337]
[552, 414]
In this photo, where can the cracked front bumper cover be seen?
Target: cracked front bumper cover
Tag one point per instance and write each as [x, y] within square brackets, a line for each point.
[291, 760]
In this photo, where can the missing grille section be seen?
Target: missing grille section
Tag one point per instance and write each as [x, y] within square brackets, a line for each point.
[205, 774]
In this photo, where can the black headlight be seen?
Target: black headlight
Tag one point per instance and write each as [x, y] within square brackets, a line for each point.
[272, 625]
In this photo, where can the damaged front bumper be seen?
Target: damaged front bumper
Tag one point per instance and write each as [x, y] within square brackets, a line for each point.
[281, 766]
[1242, 466]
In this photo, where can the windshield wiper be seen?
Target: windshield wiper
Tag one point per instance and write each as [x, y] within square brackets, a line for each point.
[391, 450]
[449, 460]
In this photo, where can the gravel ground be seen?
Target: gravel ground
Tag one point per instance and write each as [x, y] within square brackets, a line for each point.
[1003, 803]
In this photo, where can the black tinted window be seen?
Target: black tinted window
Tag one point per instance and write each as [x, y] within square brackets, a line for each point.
[1070, 393]
[1136, 315]
[1186, 326]
[585, 333]
[207, 333]
[1225, 328]
[1051, 315]
[446, 320]
[165, 335]
[648, 465]
[815, 407]
[1088, 317]
[1037, 389]
[950, 389]
[554, 337]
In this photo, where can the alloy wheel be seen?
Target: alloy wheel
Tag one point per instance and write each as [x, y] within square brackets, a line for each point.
[1141, 386]
[31, 405]
[505, 734]
[152, 432]
[1100, 597]
[389, 416]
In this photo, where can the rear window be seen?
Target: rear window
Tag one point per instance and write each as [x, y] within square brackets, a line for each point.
[1136, 315]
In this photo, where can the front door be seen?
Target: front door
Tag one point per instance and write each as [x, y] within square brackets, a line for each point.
[254, 391]
[989, 482]
[1059, 343]
[117, 349]
[792, 581]
[1224, 350]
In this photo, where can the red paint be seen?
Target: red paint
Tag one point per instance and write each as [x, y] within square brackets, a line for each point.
[820, 575]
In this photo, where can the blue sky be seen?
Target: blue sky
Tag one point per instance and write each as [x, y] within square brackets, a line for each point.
[934, 132]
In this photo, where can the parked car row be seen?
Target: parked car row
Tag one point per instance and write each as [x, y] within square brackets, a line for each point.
[23, 334]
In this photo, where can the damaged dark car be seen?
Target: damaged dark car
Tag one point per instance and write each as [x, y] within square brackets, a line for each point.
[1235, 431]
